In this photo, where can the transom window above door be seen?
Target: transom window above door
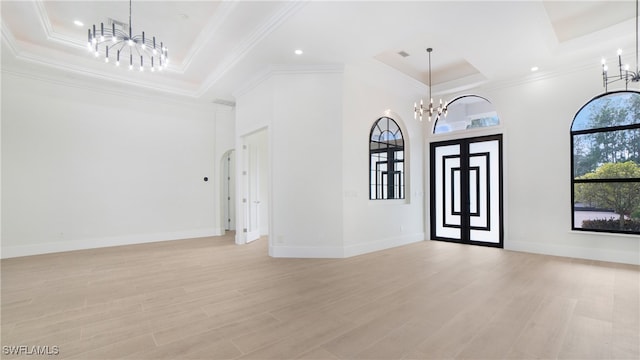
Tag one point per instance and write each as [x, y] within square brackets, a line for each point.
[465, 113]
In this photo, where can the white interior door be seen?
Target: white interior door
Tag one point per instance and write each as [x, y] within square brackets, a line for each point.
[466, 191]
[252, 203]
[446, 204]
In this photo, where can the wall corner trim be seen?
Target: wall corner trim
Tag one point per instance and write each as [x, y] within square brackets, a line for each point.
[387, 243]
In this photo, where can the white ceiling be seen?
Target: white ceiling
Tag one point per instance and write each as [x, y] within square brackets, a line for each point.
[217, 46]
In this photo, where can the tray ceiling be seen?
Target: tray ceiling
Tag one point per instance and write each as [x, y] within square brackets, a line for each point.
[217, 46]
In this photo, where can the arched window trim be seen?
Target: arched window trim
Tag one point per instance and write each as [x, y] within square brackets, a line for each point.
[574, 180]
[487, 129]
[398, 161]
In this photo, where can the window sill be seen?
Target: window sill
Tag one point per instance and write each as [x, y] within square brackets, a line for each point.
[598, 233]
[389, 202]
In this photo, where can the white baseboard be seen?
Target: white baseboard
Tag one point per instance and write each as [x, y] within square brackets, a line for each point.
[314, 252]
[364, 248]
[575, 252]
[61, 246]
[337, 252]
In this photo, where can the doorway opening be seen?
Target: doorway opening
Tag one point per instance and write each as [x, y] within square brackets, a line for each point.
[255, 186]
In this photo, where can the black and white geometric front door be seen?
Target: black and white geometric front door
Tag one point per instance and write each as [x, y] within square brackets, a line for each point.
[466, 191]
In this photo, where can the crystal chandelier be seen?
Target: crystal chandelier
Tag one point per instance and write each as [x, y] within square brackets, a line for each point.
[116, 44]
[624, 73]
[441, 109]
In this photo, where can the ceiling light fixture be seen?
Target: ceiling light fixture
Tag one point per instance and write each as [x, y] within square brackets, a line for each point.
[441, 109]
[624, 73]
[298, 52]
[116, 41]
[78, 23]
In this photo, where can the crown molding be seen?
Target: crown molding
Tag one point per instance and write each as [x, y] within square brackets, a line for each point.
[50, 34]
[417, 85]
[111, 78]
[71, 83]
[243, 48]
[43, 18]
[545, 75]
[209, 32]
[16, 51]
[460, 85]
[8, 39]
[223, 102]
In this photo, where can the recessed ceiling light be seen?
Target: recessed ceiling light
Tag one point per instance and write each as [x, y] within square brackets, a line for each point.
[298, 52]
[533, 69]
[78, 23]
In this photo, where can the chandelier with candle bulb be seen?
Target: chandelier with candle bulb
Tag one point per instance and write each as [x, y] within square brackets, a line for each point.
[429, 110]
[623, 73]
[117, 45]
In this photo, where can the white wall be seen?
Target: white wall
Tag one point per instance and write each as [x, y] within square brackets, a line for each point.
[537, 115]
[224, 129]
[319, 122]
[373, 90]
[85, 169]
[254, 109]
[307, 165]
[301, 108]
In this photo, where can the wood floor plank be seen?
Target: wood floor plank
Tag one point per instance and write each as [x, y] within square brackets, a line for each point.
[543, 334]
[299, 342]
[626, 313]
[494, 341]
[317, 354]
[350, 343]
[194, 333]
[587, 338]
[120, 349]
[211, 299]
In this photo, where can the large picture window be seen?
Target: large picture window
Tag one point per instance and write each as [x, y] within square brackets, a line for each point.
[386, 160]
[605, 164]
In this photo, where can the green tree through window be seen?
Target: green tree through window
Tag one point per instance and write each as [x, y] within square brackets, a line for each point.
[605, 137]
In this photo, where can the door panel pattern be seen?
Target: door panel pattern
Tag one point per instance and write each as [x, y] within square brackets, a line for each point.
[466, 190]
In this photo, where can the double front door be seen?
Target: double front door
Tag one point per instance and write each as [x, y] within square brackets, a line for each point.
[466, 191]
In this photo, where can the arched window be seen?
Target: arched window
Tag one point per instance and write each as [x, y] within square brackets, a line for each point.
[605, 164]
[386, 160]
[467, 112]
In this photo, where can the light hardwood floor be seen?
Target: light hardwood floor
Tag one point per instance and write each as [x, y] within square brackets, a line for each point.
[210, 299]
